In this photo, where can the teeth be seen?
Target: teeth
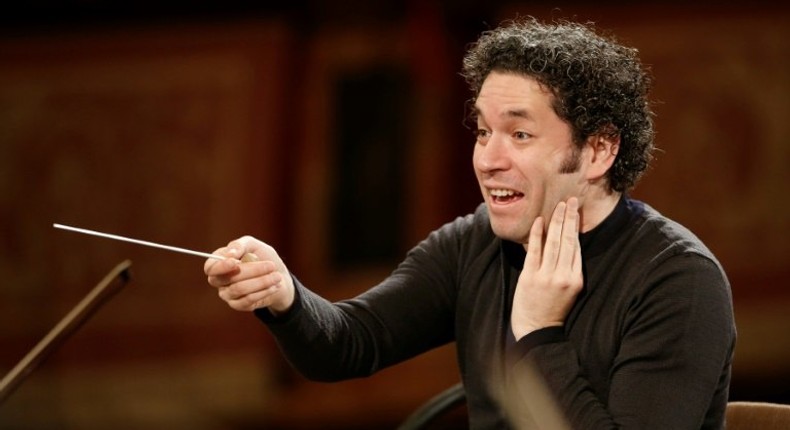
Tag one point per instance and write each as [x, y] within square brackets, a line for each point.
[502, 193]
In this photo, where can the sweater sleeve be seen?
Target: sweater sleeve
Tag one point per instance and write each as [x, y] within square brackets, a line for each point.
[409, 312]
[674, 356]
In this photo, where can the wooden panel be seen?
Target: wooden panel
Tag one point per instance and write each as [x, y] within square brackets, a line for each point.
[163, 135]
[364, 53]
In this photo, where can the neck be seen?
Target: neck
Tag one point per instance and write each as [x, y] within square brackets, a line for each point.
[595, 207]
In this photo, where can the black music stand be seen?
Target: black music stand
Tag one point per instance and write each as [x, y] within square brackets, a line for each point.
[101, 293]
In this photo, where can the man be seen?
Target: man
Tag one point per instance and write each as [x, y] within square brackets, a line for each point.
[625, 314]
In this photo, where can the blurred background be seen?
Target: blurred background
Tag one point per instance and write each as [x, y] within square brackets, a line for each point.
[333, 131]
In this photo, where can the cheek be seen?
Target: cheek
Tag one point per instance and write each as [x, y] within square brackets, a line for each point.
[476, 158]
[535, 171]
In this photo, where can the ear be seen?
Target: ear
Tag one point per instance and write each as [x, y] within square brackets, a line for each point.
[603, 148]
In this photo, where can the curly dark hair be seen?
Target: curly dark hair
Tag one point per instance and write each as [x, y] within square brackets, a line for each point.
[599, 86]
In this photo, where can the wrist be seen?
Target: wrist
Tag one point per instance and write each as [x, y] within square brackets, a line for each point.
[523, 329]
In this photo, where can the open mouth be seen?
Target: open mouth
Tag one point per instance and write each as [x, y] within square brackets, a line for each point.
[503, 196]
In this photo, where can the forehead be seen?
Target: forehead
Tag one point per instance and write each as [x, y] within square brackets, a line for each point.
[511, 94]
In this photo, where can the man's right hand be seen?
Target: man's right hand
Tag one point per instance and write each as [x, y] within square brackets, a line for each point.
[251, 285]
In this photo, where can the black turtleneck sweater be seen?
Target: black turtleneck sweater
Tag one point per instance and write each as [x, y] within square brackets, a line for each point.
[648, 343]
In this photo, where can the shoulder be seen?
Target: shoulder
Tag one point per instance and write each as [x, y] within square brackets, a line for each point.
[667, 236]
[463, 237]
[665, 249]
[474, 226]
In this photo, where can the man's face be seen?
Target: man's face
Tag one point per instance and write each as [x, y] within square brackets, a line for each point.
[524, 157]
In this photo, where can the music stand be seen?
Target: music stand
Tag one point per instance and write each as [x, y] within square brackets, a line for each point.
[101, 293]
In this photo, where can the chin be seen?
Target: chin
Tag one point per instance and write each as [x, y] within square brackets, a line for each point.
[509, 232]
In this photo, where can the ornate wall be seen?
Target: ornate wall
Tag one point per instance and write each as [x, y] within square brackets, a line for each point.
[195, 134]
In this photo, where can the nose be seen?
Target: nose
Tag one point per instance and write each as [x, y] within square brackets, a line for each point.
[492, 155]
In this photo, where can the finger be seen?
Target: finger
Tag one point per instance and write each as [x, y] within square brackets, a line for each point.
[254, 274]
[226, 267]
[535, 245]
[570, 235]
[260, 299]
[244, 245]
[249, 258]
[577, 259]
[551, 249]
[241, 289]
[209, 263]
[228, 253]
[231, 271]
[577, 262]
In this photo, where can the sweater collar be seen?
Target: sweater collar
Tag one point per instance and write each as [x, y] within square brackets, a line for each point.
[593, 242]
[599, 239]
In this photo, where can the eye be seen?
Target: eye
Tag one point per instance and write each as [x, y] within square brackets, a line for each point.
[482, 134]
[521, 135]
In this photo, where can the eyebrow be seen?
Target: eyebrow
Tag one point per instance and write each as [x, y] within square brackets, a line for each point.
[511, 113]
